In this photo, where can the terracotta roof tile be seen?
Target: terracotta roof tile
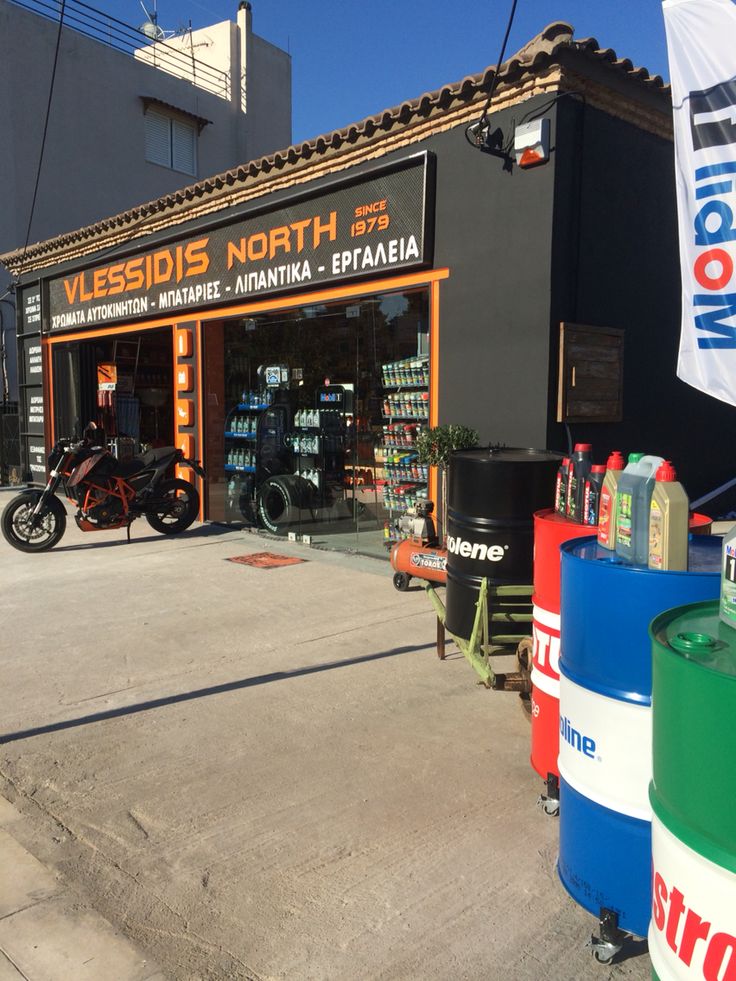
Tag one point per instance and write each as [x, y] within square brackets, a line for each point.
[555, 42]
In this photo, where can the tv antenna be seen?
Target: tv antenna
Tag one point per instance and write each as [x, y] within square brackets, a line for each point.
[150, 26]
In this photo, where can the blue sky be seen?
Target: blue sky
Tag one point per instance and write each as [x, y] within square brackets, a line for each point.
[352, 58]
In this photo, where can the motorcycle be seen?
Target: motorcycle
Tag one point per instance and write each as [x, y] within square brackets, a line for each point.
[109, 493]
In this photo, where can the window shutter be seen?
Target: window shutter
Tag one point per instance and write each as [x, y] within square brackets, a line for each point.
[183, 147]
[158, 138]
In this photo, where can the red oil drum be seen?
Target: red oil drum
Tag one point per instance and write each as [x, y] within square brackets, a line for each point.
[550, 531]
[545, 700]
[700, 524]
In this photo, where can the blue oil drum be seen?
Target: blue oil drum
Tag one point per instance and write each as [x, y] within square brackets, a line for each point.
[605, 759]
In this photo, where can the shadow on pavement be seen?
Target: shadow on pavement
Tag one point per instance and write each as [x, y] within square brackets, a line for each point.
[204, 531]
[189, 696]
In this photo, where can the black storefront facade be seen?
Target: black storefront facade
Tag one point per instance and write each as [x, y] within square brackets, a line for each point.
[296, 322]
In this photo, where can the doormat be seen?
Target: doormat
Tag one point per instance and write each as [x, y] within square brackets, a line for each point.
[265, 560]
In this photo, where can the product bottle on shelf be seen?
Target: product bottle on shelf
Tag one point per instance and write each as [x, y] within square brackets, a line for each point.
[632, 513]
[561, 485]
[728, 580]
[592, 494]
[232, 493]
[623, 532]
[668, 521]
[642, 504]
[608, 498]
[580, 464]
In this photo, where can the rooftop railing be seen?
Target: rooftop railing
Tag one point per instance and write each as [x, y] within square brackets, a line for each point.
[167, 55]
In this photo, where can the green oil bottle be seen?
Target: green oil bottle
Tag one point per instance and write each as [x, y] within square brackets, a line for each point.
[728, 579]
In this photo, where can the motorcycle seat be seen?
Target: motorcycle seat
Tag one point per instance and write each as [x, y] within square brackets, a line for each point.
[134, 465]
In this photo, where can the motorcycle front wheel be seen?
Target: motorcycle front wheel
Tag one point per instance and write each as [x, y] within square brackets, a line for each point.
[19, 530]
[180, 510]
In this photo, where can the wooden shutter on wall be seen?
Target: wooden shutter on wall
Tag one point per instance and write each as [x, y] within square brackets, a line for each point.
[591, 374]
[183, 146]
[158, 138]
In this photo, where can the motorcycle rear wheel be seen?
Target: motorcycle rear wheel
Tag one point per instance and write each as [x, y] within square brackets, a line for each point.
[182, 511]
[16, 523]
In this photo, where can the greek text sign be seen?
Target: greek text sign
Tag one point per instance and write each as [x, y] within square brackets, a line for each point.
[358, 229]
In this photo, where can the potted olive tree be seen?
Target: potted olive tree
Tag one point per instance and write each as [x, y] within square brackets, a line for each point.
[434, 447]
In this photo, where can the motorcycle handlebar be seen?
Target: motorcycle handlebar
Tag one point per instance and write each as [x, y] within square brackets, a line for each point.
[65, 443]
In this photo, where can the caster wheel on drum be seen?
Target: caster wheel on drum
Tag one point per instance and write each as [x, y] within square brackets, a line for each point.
[603, 952]
[549, 805]
[401, 581]
[611, 939]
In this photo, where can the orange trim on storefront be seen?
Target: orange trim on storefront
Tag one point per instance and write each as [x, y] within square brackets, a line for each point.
[200, 411]
[430, 276]
[48, 395]
[434, 375]
[178, 471]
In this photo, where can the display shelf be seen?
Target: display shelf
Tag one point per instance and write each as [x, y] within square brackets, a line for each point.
[397, 388]
[406, 372]
[241, 437]
[405, 479]
[405, 402]
[405, 418]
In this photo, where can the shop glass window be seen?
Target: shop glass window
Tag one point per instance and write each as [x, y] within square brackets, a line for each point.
[311, 418]
[122, 383]
[171, 142]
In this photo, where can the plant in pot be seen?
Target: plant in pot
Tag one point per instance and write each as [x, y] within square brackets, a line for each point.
[434, 447]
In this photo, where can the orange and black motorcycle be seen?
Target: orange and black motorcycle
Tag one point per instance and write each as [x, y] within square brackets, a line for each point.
[109, 493]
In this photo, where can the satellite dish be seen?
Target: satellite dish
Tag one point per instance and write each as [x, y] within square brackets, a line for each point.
[151, 30]
[150, 26]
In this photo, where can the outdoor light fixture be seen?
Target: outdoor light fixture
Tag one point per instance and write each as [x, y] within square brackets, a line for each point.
[531, 143]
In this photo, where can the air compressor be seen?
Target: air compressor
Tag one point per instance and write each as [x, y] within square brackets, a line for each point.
[418, 555]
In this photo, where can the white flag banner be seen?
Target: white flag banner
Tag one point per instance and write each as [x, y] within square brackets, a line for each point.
[701, 42]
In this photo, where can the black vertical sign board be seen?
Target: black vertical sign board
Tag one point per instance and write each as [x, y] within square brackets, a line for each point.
[30, 361]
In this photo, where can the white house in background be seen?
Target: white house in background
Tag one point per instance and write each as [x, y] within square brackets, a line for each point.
[132, 118]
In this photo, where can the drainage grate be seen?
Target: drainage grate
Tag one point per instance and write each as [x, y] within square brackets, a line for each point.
[265, 560]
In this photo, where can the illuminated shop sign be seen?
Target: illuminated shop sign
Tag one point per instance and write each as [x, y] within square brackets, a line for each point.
[372, 227]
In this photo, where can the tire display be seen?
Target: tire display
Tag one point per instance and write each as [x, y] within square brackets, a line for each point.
[281, 501]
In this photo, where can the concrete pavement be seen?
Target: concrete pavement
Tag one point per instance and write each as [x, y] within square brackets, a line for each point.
[44, 933]
[263, 774]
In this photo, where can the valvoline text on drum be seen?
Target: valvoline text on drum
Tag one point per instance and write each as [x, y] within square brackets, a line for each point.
[583, 744]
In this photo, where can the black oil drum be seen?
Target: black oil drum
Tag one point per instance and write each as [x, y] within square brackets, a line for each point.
[491, 500]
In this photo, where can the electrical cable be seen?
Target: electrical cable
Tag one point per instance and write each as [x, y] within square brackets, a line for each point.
[494, 81]
[43, 138]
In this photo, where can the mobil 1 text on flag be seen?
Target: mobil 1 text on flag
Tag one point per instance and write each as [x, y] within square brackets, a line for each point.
[701, 42]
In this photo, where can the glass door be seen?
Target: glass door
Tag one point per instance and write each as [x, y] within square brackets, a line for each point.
[306, 412]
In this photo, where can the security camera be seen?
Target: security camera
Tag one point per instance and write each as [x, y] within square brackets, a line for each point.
[479, 131]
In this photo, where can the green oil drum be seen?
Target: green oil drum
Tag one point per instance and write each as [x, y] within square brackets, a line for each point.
[692, 932]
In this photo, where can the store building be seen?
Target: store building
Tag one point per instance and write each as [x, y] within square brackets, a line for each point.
[294, 322]
[131, 118]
